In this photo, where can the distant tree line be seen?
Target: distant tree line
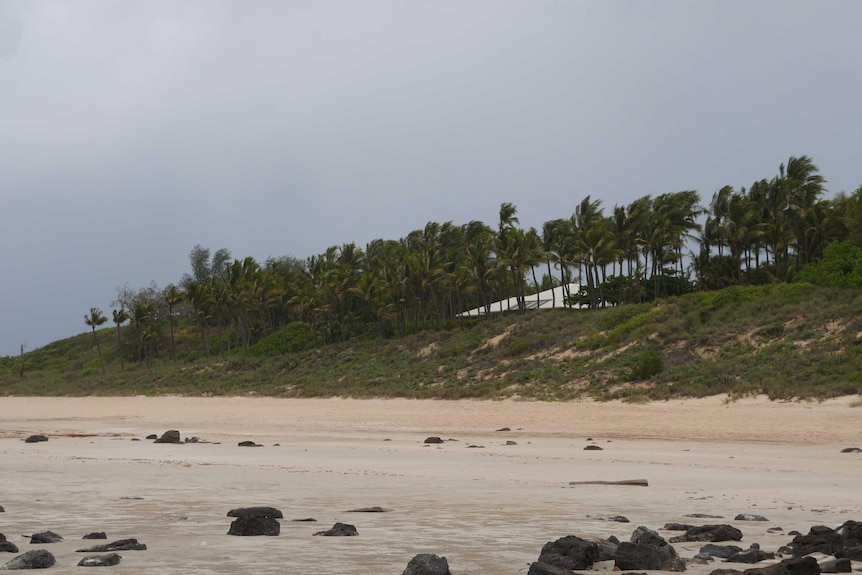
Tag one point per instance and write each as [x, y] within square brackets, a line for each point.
[651, 248]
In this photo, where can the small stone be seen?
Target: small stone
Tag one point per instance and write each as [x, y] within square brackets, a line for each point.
[510, 442]
[750, 517]
[100, 560]
[433, 439]
[45, 537]
[248, 444]
[95, 535]
[170, 436]
[339, 530]
[152, 436]
[36, 439]
[504, 429]
[592, 448]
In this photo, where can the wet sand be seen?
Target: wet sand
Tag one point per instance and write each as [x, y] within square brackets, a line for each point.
[488, 509]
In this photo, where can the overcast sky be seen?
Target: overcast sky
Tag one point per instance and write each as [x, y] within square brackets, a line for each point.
[132, 130]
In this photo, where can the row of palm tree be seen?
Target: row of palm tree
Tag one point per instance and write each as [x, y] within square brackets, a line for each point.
[433, 274]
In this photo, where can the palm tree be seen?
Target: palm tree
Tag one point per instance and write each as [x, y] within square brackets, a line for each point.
[121, 316]
[94, 320]
[173, 296]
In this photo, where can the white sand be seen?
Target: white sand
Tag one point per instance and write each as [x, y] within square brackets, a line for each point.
[489, 510]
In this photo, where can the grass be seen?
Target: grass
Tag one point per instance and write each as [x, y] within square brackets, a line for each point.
[787, 341]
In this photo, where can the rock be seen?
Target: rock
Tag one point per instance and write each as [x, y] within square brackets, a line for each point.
[7, 546]
[45, 537]
[118, 545]
[375, 509]
[644, 536]
[619, 519]
[774, 530]
[701, 559]
[795, 566]
[339, 530]
[306, 520]
[248, 444]
[260, 511]
[607, 548]
[36, 559]
[504, 429]
[433, 440]
[2, 510]
[852, 450]
[569, 552]
[843, 565]
[704, 516]
[152, 436]
[631, 556]
[845, 541]
[253, 526]
[510, 442]
[170, 436]
[725, 572]
[35, 439]
[592, 448]
[95, 535]
[100, 560]
[721, 551]
[750, 517]
[753, 555]
[475, 447]
[427, 564]
[712, 533]
[539, 568]
[677, 527]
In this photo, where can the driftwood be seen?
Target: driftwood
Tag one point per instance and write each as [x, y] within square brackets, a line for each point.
[636, 482]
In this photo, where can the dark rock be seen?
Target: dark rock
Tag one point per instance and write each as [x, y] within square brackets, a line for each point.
[118, 545]
[750, 517]
[701, 559]
[592, 448]
[645, 536]
[774, 530]
[100, 560]
[725, 572]
[846, 541]
[475, 447]
[7, 546]
[843, 565]
[427, 564]
[631, 556]
[45, 537]
[95, 535]
[750, 556]
[851, 450]
[569, 552]
[261, 511]
[784, 550]
[619, 519]
[135, 439]
[192, 439]
[712, 533]
[510, 442]
[374, 509]
[704, 516]
[722, 551]
[248, 444]
[36, 439]
[2, 510]
[253, 526]
[36, 559]
[607, 548]
[794, 533]
[677, 527]
[504, 429]
[795, 566]
[170, 436]
[152, 436]
[433, 440]
[339, 530]
[306, 520]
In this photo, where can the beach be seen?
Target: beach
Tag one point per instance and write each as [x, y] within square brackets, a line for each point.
[486, 499]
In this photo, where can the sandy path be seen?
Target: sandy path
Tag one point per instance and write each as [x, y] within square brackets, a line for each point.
[488, 509]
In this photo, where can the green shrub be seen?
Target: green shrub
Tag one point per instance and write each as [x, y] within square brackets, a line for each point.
[649, 363]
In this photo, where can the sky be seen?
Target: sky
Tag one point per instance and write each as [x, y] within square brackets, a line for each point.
[132, 131]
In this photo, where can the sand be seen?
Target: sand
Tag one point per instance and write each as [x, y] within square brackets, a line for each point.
[488, 509]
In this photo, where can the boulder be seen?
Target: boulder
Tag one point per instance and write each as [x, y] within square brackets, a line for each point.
[539, 568]
[592, 448]
[750, 517]
[260, 511]
[248, 444]
[152, 436]
[704, 516]
[570, 552]
[632, 556]
[45, 537]
[7, 546]
[95, 535]
[677, 527]
[794, 566]
[752, 555]
[607, 548]
[252, 526]
[645, 536]
[427, 564]
[721, 551]
[845, 541]
[35, 439]
[36, 559]
[713, 533]
[339, 530]
[433, 440]
[119, 545]
[170, 436]
[1, 509]
[852, 450]
[100, 560]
